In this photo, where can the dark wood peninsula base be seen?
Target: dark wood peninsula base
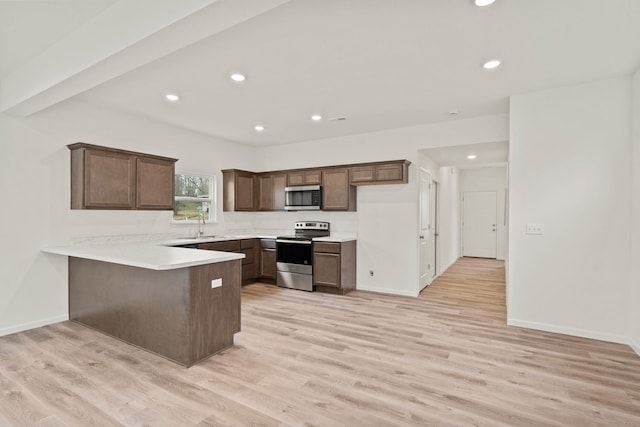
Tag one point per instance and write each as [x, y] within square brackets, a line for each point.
[173, 313]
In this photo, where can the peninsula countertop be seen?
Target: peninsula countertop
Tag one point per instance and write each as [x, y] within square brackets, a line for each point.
[145, 255]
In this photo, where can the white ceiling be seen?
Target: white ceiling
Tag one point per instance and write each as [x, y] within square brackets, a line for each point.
[380, 63]
[488, 154]
[29, 27]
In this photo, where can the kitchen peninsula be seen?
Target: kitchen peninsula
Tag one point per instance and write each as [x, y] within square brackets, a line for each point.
[179, 303]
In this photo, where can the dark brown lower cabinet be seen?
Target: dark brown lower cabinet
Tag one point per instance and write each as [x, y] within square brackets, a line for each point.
[173, 313]
[267, 261]
[334, 266]
[248, 247]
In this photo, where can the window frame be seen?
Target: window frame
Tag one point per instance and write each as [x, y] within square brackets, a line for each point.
[212, 199]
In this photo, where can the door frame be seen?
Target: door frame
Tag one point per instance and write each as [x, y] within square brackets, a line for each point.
[432, 206]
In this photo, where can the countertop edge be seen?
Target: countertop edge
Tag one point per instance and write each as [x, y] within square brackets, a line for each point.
[192, 260]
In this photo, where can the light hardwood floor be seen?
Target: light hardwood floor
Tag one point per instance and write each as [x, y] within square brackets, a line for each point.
[445, 358]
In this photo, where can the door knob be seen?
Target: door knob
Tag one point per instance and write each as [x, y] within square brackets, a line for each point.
[421, 237]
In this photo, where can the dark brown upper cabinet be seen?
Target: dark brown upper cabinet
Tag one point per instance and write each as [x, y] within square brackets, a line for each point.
[270, 191]
[394, 172]
[337, 193]
[304, 177]
[238, 190]
[108, 178]
[264, 191]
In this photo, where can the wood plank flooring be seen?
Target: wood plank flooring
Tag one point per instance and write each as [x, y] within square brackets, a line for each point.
[445, 358]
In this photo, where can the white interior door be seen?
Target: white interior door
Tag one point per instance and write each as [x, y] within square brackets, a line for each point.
[425, 266]
[479, 211]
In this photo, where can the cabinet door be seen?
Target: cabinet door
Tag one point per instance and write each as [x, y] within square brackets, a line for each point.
[265, 193]
[155, 184]
[268, 263]
[390, 172]
[326, 269]
[337, 194]
[394, 172]
[295, 178]
[244, 192]
[278, 184]
[313, 177]
[109, 180]
[362, 174]
[305, 177]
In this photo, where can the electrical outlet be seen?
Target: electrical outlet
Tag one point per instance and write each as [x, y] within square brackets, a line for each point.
[535, 229]
[371, 273]
[216, 283]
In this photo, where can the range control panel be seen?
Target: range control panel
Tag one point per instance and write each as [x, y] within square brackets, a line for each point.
[312, 225]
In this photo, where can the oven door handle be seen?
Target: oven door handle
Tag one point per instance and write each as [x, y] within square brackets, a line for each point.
[298, 242]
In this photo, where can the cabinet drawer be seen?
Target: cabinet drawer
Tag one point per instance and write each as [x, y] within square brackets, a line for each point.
[228, 246]
[247, 243]
[326, 247]
[249, 256]
[268, 243]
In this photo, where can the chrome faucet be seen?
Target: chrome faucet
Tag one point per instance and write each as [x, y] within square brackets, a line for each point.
[200, 225]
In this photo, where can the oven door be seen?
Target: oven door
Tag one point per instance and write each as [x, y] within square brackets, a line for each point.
[294, 252]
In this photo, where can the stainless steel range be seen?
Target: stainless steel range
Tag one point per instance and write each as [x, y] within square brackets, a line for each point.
[294, 255]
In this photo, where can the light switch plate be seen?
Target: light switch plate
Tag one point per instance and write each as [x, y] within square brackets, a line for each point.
[535, 229]
[216, 283]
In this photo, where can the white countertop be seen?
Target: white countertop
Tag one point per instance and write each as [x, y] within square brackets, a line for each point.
[336, 237]
[146, 255]
[204, 239]
[161, 255]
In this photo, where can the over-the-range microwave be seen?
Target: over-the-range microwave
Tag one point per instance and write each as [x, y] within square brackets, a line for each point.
[303, 198]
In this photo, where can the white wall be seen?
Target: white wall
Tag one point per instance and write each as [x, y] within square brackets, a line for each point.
[34, 171]
[449, 219]
[387, 216]
[634, 301]
[570, 170]
[448, 227]
[490, 179]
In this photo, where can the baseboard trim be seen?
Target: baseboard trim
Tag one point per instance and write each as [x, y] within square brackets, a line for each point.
[388, 291]
[34, 324]
[583, 333]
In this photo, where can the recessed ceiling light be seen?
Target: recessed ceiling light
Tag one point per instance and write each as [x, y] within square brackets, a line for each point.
[492, 64]
[237, 77]
[172, 97]
[482, 3]
[258, 128]
[471, 156]
[316, 117]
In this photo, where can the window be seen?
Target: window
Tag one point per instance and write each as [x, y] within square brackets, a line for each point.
[194, 195]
